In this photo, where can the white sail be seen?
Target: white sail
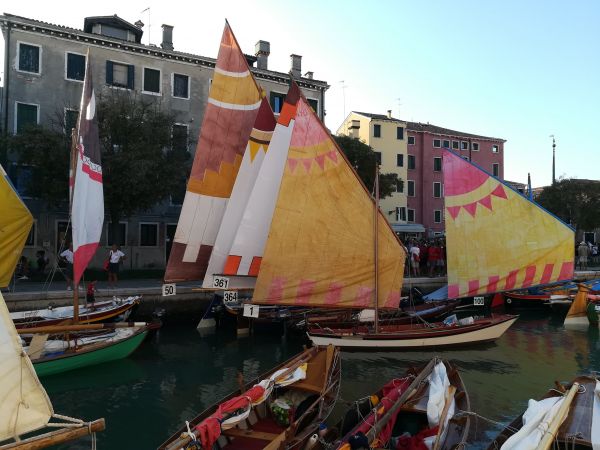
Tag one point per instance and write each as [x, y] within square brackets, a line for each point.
[24, 404]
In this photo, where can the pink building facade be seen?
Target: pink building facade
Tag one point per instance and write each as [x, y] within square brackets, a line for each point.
[424, 186]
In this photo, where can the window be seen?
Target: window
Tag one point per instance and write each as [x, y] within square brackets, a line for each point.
[446, 144]
[437, 216]
[496, 169]
[411, 162]
[411, 140]
[464, 145]
[400, 214]
[21, 176]
[110, 239]
[378, 157]
[314, 104]
[437, 143]
[437, 189]
[31, 237]
[437, 164]
[400, 160]
[411, 188]
[400, 186]
[410, 216]
[120, 75]
[148, 234]
[376, 130]
[180, 136]
[29, 58]
[26, 115]
[151, 81]
[71, 116]
[455, 145]
[475, 146]
[400, 133]
[181, 86]
[277, 100]
[75, 66]
[495, 149]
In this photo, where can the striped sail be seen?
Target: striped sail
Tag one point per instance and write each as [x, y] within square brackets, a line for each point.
[320, 248]
[233, 103]
[24, 405]
[498, 240]
[255, 154]
[248, 245]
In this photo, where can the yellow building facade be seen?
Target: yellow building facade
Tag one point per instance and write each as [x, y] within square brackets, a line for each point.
[387, 136]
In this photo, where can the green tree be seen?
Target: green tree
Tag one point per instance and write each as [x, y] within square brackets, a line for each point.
[363, 159]
[145, 158]
[45, 153]
[576, 202]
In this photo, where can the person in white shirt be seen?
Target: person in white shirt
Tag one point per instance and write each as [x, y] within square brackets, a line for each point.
[415, 259]
[67, 257]
[115, 256]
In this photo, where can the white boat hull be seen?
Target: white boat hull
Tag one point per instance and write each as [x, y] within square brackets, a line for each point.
[486, 334]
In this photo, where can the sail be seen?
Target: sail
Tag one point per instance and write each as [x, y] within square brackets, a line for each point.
[233, 103]
[256, 150]
[320, 249]
[15, 223]
[578, 309]
[498, 240]
[24, 405]
[87, 210]
[248, 245]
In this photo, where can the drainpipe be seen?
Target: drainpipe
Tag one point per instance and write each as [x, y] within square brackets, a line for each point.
[3, 155]
[323, 104]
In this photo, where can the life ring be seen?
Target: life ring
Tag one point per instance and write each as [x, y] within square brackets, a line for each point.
[508, 300]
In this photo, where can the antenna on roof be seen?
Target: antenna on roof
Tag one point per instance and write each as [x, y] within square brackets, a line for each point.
[147, 9]
[344, 95]
[399, 105]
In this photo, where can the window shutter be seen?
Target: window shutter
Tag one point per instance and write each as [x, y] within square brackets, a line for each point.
[109, 72]
[130, 76]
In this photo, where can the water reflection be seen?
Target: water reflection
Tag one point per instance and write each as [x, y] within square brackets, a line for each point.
[178, 373]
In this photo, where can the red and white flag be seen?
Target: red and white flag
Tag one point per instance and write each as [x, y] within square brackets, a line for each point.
[87, 210]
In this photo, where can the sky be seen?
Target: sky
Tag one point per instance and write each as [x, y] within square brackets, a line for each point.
[519, 70]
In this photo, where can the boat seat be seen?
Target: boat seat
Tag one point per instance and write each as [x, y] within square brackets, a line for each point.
[262, 435]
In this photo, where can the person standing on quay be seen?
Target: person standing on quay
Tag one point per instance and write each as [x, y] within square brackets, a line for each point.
[583, 252]
[67, 257]
[115, 256]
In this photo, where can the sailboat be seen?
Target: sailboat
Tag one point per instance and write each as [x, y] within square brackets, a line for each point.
[25, 407]
[58, 348]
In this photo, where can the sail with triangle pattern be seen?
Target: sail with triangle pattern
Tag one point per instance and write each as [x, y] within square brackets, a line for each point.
[497, 239]
[256, 152]
[320, 247]
[233, 103]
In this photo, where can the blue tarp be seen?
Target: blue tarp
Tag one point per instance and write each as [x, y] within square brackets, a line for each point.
[436, 296]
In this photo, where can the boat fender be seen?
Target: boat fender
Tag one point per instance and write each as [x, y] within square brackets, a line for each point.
[312, 441]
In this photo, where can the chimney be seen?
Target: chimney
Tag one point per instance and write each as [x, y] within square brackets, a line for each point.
[309, 75]
[296, 69]
[262, 50]
[389, 113]
[167, 37]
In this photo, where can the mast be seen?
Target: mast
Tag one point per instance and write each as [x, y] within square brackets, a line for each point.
[376, 245]
[72, 173]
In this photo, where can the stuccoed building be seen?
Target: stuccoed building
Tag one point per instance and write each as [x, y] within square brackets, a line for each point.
[43, 77]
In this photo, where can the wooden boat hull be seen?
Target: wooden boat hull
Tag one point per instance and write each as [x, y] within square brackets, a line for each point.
[90, 356]
[105, 311]
[479, 332]
[288, 438]
[575, 431]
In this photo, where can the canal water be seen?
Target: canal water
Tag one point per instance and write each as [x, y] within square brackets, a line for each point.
[177, 373]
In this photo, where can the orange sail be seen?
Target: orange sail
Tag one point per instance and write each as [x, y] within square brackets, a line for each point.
[320, 248]
[498, 240]
[233, 103]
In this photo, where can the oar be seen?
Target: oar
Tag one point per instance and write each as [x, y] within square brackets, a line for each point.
[558, 419]
[442, 424]
[409, 392]
[53, 329]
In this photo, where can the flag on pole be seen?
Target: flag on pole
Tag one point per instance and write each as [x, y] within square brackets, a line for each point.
[87, 210]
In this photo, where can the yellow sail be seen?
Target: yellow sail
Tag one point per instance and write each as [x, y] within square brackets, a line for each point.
[320, 248]
[577, 311]
[15, 223]
[496, 239]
